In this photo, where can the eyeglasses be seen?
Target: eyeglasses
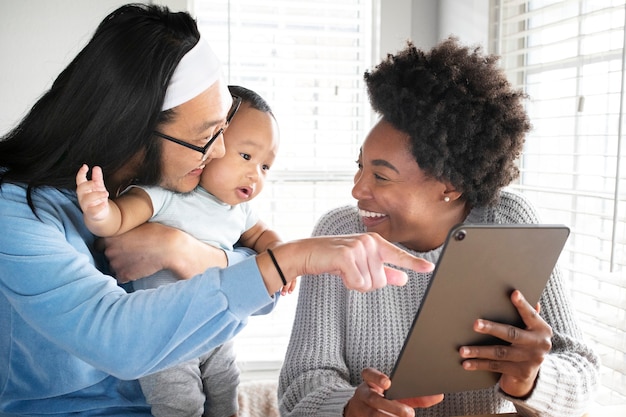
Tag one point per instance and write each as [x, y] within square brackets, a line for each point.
[204, 149]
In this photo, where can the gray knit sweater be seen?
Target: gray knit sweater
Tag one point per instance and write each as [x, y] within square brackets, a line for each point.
[337, 333]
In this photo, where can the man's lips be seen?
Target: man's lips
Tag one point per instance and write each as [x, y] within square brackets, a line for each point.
[197, 171]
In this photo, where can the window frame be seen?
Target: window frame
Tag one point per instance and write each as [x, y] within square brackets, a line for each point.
[596, 275]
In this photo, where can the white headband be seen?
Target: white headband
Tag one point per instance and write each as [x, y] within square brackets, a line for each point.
[196, 72]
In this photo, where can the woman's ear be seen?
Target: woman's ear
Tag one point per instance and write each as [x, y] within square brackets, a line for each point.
[450, 193]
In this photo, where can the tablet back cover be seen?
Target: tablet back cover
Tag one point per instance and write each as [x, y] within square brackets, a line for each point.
[479, 267]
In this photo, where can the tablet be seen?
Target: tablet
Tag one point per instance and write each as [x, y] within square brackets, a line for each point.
[479, 267]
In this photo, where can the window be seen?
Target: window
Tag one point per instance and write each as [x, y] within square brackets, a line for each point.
[307, 59]
[569, 56]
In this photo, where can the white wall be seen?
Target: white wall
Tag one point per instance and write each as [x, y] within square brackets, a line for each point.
[426, 22]
[38, 38]
[395, 26]
[467, 19]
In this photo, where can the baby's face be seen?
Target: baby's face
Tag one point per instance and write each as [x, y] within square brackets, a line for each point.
[251, 142]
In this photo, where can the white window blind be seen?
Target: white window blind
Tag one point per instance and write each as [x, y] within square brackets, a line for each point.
[307, 59]
[569, 56]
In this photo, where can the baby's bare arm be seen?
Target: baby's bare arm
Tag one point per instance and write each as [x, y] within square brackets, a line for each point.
[103, 216]
[260, 237]
[135, 208]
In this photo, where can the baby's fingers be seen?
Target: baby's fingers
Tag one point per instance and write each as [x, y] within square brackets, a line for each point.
[97, 178]
[289, 288]
[81, 176]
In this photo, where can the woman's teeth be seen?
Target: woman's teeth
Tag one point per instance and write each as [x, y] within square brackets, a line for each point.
[365, 213]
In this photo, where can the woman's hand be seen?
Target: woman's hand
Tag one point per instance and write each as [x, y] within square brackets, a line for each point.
[369, 400]
[518, 363]
[152, 247]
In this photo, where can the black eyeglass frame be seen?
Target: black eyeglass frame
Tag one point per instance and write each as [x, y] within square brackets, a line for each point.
[203, 149]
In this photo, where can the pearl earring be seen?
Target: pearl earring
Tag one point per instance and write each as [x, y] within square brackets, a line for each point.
[446, 199]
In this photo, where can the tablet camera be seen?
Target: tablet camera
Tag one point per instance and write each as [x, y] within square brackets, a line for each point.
[460, 235]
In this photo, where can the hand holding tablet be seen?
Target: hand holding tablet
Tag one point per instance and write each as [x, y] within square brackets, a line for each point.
[479, 268]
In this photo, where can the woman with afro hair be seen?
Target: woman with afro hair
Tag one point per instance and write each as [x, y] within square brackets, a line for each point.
[442, 153]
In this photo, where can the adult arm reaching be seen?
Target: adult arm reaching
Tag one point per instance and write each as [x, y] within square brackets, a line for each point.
[359, 259]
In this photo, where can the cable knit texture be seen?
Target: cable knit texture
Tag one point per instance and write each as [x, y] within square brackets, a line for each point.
[338, 332]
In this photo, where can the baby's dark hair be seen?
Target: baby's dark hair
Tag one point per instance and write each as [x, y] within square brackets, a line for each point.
[248, 96]
[465, 121]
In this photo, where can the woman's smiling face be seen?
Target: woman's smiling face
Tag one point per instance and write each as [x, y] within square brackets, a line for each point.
[396, 199]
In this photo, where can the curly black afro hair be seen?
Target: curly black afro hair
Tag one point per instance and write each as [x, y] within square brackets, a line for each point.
[465, 121]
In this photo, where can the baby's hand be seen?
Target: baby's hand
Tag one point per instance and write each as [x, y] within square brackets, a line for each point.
[93, 196]
[289, 288]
